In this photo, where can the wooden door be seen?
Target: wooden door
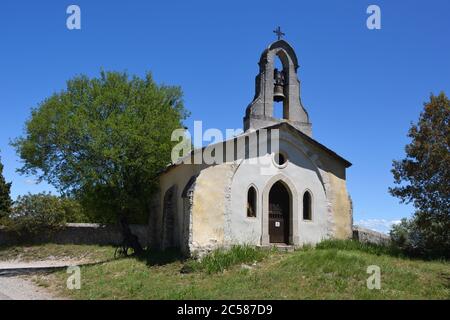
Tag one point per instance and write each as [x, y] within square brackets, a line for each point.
[279, 214]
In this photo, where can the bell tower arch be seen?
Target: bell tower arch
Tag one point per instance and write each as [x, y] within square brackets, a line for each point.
[277, 85]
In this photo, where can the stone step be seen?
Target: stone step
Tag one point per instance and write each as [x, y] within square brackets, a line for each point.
[280, 246]
[284, 247]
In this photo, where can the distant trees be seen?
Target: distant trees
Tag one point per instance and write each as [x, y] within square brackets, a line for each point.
[103, 141]
[32, 214]
[5, 198]
[423, 178]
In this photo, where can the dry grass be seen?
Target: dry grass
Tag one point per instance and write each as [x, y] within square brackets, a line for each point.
[55, 252]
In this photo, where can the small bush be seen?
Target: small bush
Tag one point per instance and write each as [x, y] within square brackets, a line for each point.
[422, 236]
[221, 259]
[41, 213]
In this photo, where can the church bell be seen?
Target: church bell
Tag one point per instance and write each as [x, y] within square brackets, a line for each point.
[278, 93]
[278, 90]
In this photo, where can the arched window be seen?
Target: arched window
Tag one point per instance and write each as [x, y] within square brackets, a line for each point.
[169, 218]
[251, 202]
[307, 206]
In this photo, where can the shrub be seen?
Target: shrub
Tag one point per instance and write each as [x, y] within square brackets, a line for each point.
[36, 213]
[221, 259]
[422, 236]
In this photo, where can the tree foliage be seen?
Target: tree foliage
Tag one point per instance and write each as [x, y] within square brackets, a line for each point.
[103, 140]
[423, 178]
[41, 213]
[5, 198]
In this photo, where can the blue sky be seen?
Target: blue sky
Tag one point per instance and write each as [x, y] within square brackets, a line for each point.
[362, 88]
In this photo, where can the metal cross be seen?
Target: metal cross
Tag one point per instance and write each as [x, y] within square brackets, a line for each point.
[279, 33]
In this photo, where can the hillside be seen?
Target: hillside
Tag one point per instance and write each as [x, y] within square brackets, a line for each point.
[334, 270]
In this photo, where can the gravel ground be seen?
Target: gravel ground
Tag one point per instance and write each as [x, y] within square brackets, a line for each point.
[16, 283]
[21, 288]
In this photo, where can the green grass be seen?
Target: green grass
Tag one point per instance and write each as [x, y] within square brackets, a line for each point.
[333, 270]
[221, 259]
[359, 246]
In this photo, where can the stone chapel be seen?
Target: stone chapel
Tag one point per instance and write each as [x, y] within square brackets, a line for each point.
[279, 187]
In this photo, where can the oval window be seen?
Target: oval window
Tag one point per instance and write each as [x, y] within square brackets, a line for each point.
[280, 159]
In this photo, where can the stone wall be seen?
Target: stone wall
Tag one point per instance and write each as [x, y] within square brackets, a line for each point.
[80, 233]
[370, 236]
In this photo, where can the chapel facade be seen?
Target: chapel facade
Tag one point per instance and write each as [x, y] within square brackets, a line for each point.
[275, 186]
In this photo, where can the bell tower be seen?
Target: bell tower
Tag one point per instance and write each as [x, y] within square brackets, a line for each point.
[273, 85]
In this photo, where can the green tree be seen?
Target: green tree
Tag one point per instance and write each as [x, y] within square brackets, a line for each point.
[5, 198]
[423, 178]
[103, 141]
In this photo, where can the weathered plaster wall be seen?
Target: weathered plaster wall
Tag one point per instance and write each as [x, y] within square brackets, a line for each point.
[208, 211]
[206, 220]
[178, 176]
[332, 175]
[338, 196]
[342, 210]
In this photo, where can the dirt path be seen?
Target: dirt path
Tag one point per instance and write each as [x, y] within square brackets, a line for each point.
[16, 283]
[21, 288]
[17, 264]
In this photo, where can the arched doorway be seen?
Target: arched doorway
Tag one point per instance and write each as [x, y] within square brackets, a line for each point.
[168, 219]
[279, 213]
